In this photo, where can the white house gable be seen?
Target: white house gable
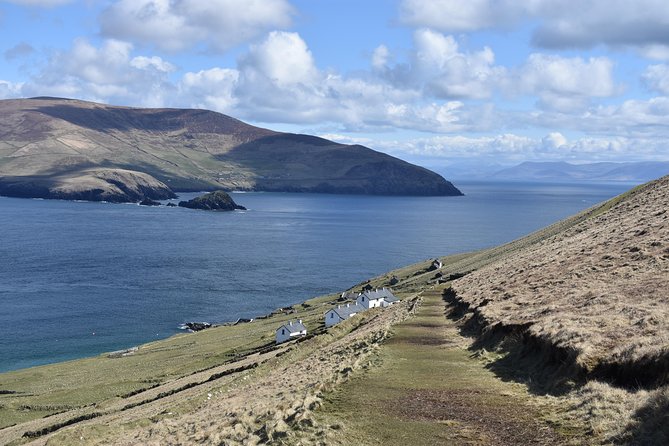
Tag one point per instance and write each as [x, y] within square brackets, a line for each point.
[341, 313]
[290, 330]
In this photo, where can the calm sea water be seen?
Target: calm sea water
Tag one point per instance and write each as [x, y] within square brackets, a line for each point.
[78, 279]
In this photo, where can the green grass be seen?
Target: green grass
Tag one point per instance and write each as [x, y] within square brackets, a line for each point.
[44, 390]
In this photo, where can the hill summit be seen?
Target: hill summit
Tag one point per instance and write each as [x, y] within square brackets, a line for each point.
[56, 148]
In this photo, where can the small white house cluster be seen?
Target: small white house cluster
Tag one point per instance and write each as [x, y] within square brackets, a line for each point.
[383, 297]
[363, 301]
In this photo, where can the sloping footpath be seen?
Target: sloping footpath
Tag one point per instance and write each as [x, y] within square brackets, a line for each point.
[428, 388]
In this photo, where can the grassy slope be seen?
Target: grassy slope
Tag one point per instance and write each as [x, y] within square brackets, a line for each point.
[53, 388]
[403, 365]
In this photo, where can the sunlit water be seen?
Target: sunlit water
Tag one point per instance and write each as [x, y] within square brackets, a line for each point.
[78, 279]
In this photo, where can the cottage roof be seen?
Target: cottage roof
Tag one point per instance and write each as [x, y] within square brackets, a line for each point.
[293, 327]
[383, 293]
[348, 310]
[392, 298]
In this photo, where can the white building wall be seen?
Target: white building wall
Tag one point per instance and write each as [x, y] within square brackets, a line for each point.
[282, 335]
[332, 318]
[365, 302]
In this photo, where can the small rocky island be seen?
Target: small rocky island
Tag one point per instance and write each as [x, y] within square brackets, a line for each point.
[213, 201]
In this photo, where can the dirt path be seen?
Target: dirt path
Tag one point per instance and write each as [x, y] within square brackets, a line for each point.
[428, 389]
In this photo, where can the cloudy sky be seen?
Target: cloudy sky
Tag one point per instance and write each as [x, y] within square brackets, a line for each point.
[451, 84]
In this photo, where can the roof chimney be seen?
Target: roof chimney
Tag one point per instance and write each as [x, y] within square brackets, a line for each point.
[299, 321]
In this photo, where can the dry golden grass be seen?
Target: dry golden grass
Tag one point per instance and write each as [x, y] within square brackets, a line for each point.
[593, 300]
[599, 289]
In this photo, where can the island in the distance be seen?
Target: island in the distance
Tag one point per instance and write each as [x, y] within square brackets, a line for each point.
[71, 149]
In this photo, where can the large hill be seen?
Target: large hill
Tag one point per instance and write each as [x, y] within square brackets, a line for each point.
[61, 148]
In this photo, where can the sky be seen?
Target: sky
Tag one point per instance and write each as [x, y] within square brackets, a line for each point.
[455, 85]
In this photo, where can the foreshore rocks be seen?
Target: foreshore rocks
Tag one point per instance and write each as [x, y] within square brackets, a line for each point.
[196, 326]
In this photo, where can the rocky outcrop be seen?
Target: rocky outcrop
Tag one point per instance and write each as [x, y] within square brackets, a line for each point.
[213, 201]
[196, 326]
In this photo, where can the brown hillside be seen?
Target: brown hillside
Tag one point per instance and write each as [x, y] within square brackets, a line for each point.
[599, 291]
[45, 138]
[584, 313]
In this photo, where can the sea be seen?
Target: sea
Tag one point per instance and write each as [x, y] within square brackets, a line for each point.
[81, 278]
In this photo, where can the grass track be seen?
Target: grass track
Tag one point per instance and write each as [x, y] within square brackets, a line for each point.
[429, 389]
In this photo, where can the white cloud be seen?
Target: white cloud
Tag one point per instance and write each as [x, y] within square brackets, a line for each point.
[282, 58]
[278, 81]
[655, 51]
[107, 73]
[179, 25]
[566, 83]
[449, 73]
[155, 62]
[656, 78]
[583, 24]
[459, 15]
[643, 119]
[9, 90]
[511, 148]
[210, 89]
[559, 23]
[438, 67]
[380, 57]
[553, 140]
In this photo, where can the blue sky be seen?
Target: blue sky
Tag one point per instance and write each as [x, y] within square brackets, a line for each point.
[454, 85]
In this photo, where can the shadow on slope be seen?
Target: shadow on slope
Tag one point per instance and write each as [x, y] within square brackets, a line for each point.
[303, 163]
[650, 424]
[105, 119]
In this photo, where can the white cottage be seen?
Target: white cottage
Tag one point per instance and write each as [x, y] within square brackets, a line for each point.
[375, 298]
[349, 295]
[341, 313]
[389, 300]
[290, 330]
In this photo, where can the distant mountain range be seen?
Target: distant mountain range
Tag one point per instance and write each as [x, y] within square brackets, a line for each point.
[71, 149]
[637, 172]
